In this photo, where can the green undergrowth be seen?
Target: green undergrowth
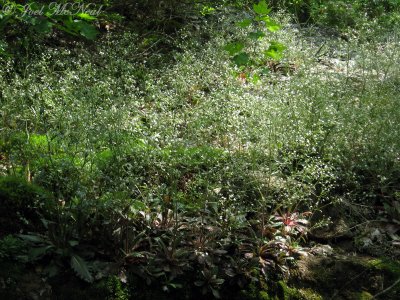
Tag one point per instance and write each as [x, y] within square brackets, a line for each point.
[279, 291]
[150, 176]
[390, 267]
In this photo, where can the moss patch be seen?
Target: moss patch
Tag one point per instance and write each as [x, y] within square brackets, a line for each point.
[287, 293]
[386, 265]
[365, 296]
[278, 291]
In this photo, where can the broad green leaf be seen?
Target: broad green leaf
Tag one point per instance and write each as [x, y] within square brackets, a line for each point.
[80, 267]
[76, 27]
[31, 238]
[272, 25]
[273, 28]
[261, 8]
[86, 17]
[241, 59]
[70, 25]
[255, 35]
[88, 31]
[39, 252]
[275, 50]
[244, 23]
[138, 205]
[234, 47]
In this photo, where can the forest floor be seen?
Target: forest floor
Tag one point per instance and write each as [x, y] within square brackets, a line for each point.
[138, 167]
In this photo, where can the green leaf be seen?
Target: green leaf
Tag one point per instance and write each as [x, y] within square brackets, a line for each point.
[176, 285]
[215, 293]
[256, 35]
[19, 7]
[138, 205]
[75, 27]
[207, 10]
[234, 47]
[86, 17]
[244, 23]
[31, 238]
[80, 267]
[36, 253]
[271, 25]
[73, 243]
[275, 50]
[261, 8]
[68, 25]
[241, 59]
[88, 31]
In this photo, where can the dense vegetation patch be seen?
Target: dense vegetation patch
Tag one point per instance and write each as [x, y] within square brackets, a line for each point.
[199, 150]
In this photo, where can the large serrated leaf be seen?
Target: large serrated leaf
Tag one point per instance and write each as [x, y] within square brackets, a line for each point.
[88, 31]
[275, 50]
[261, 8]
[241, 59]
[272, 25]
[80, 268]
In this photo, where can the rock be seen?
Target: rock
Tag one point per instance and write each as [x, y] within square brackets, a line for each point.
[322, 250]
